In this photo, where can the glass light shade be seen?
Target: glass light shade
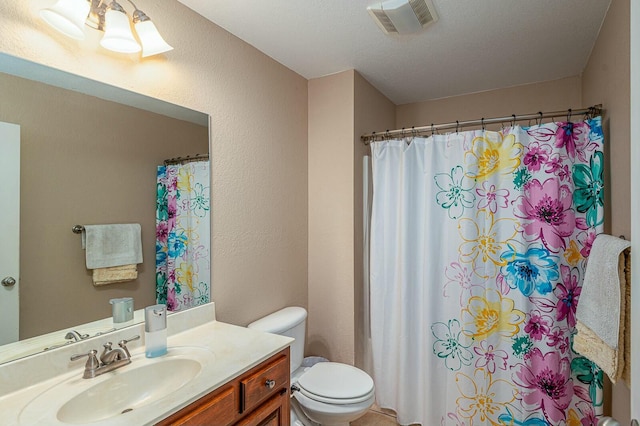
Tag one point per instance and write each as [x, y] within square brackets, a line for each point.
[117, 35]
[152, 41]
[68, 17]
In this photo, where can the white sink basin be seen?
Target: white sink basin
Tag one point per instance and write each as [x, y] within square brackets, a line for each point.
[118, 393]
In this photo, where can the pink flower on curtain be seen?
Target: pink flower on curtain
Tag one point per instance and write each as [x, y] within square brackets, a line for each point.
[572, 137]
[568, 293]
[537, 326]
[546, 208]
[546, 384]
[536, 156]
[491, 197]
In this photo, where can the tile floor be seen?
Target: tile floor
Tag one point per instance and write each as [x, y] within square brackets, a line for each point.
[375, 418]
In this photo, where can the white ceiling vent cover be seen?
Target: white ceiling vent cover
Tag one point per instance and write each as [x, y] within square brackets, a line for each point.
[403, 16]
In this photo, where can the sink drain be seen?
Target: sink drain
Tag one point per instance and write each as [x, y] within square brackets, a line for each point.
[127, 410]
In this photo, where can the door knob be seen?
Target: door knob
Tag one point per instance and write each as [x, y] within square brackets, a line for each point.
[8, 282]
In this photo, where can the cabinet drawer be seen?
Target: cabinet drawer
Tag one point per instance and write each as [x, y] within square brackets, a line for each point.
[268, 380]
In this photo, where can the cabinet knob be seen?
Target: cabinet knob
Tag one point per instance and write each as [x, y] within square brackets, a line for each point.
[270, 383]
[9, 282]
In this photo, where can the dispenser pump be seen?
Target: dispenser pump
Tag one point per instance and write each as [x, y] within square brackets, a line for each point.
[155, 328]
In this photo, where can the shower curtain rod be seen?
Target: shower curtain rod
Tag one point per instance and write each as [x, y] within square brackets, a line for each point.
[187, 159]
[417, 131]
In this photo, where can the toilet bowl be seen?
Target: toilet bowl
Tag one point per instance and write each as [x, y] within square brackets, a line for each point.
[327, 393]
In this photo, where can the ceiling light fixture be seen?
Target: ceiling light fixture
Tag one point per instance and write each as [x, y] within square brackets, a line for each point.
[70, 17]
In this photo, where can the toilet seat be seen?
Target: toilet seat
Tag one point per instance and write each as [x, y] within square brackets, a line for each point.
[336, 383]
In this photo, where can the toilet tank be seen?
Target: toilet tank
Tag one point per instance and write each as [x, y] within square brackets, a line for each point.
[289, 322]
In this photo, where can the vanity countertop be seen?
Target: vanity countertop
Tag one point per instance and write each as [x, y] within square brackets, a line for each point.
[235, 350]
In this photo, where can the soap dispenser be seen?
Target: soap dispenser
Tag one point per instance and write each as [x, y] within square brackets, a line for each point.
[155, 330]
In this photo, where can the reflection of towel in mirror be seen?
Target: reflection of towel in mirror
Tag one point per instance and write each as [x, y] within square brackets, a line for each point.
[603, 308]
[114, 274]
[112, 245]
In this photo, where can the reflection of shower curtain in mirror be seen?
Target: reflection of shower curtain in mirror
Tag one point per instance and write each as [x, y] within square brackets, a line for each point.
[183, 235]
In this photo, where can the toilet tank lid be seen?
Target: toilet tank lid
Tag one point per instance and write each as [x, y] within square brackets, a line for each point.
[280, 321]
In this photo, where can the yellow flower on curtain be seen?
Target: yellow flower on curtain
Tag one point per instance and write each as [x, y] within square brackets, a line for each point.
[490, 314]
[492, 153]
[573, 419]
[484, 241]
[483, 399]
[184, 275]
[185, 178]
[572, 254]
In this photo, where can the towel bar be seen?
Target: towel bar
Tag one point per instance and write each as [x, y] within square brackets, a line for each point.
[77, 229]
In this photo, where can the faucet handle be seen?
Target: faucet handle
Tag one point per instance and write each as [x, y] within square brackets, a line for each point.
[123, 344]
[92, 363]
[91, 354]
[130, 339]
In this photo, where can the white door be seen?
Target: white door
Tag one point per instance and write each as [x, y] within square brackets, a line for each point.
[10, 231]
[635, 210]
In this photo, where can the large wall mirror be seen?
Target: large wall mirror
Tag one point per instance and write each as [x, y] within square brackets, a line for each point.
[88, 155]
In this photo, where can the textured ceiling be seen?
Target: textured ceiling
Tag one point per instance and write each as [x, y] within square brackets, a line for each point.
[476, 45]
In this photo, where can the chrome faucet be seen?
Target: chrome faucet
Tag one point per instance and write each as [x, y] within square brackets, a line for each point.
[110, 359]
[75, 336]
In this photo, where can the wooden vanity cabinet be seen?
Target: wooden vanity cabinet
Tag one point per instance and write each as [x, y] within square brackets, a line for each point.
[259, 397]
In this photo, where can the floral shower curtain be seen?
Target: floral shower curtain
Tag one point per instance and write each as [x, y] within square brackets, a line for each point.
[183, 235]
[479, 242]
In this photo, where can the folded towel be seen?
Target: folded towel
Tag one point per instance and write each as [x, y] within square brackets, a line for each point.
[112, 245]
[602, 309]
[114, 274]
[626, 372]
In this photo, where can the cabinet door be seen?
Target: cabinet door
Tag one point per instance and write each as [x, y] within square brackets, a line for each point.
[220, 409]
[274, 412]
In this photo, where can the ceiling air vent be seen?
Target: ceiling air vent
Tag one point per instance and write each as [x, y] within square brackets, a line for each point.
[403, 16]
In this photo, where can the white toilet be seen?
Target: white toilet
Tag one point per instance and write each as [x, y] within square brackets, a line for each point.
[327, 393]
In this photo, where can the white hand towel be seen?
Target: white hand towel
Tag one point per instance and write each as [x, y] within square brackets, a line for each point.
[112, 245]
[602, 306]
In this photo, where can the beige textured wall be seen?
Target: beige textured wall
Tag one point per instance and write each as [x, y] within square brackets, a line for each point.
[373, 111]
[330, 328]
[258, 111]
[606, 80]
[553, 95]
[79, 167]
[341, 108]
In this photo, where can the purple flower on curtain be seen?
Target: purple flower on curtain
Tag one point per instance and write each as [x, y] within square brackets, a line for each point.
[537, 155]
[546, 383]
[490, 357]
[556, 165]
[559, 339]
[546, 208]
[537, 325]
[574, 138]
[491, 197]
[568, 293]
[587, 238]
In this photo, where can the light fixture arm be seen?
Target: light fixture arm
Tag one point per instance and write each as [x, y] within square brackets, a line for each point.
[138, 15]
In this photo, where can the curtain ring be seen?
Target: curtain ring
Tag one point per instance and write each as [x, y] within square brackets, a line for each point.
[513, 121]
[387, 136]
[414, 133]
[402, 133]
[457, 125]
[540, 112]
[482, 123]
[569, 115]
[432, 129]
